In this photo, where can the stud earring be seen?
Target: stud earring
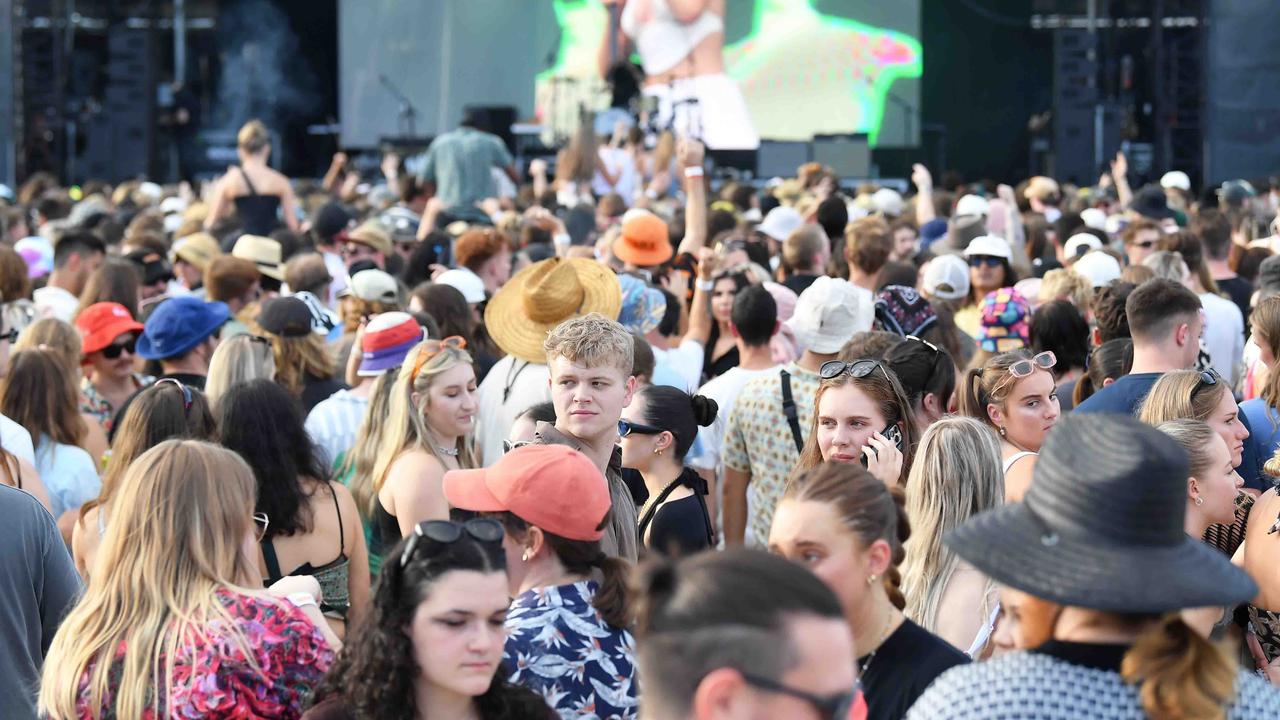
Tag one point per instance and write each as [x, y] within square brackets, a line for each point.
[657, 452]
[525, 557]
[871, 579]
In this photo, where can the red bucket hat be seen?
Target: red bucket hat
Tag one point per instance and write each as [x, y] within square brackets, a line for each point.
[101, 323]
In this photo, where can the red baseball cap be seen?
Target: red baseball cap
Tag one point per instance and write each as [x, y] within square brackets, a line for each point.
[101, 323]
[553, 487]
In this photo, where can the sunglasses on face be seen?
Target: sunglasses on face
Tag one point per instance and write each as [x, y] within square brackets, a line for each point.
[10, 335]
[985, 261]
[447, 532]
[626, 427]
[114, 350]
[832, 369]
[1045, 361]
[834, 707]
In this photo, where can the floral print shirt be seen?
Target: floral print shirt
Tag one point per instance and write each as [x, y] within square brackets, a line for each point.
[212, 678]
[93, 403]
[558, 645]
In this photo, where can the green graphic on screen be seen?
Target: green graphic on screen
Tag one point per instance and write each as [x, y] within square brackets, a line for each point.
[800, 71]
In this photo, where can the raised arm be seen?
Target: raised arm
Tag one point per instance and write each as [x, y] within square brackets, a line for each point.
[924, 194]
[700, 310]
[1120, 176]
[691, 154]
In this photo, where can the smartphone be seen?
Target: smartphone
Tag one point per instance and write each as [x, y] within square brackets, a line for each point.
[893, 435]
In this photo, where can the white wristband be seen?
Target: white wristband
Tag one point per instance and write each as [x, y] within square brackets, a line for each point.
[561, 239]
[694, 171]
[706, 285]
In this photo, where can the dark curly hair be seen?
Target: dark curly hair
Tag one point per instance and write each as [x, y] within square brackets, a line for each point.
[373, 676]
[262, 423]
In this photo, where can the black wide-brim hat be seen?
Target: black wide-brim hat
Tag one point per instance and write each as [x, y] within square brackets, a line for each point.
[1102, 526]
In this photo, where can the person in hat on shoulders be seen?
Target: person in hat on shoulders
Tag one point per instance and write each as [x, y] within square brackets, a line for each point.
[191, 256]
[181, 335]
[369, 241]
[304, 366]
[384, 342]
[554, 508]
[109, 337]
[518, 319]
[1099, 554]
[764, 433]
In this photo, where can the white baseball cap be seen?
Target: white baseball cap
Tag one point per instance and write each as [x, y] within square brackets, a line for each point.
[1081, 243]
[1098, 268]
[780, 223]
[972, 205]
[946, 277]
[888, 201]
[1176, 179]
[827, 315]
[989, 245]
[1094, 219]
[465, 282]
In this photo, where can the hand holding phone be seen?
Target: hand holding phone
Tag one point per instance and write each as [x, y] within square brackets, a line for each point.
[882, 456]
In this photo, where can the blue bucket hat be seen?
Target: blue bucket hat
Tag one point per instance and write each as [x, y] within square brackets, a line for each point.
[178, 325]
[642, 306]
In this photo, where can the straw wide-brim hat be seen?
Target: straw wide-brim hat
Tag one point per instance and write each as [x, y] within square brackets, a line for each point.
[1102, 526]
[545, 294]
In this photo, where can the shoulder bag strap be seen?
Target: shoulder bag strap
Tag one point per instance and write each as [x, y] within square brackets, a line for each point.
[789, 409]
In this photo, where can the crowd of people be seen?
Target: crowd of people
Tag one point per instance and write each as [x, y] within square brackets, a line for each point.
[610, 439]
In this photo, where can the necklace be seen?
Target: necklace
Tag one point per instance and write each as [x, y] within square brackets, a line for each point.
[872, 656]
[451, 452]
[653, 501]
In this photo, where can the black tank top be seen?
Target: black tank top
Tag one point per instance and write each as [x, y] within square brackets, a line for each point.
[258, 213]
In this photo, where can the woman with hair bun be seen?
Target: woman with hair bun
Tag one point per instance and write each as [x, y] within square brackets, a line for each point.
[848, 527]
[262, 197]
[657, 430]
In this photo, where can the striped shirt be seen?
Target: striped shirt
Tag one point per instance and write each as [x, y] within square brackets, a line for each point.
[334, 422]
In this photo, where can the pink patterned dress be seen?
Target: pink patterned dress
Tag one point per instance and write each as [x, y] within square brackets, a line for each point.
[212, 678]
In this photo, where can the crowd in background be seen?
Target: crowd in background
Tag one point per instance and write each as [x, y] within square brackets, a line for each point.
[463, 439]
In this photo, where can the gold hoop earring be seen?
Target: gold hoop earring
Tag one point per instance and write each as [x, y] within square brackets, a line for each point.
[525, 556]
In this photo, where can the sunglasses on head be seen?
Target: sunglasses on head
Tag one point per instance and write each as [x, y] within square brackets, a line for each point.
[114, 350]
[186, 391]
[626, 427]
[1208, 378]
[987, 260]
[432, 348]
[447, 532]
[832, 707]
[832, 369]
[1045, 361]
[261, 522]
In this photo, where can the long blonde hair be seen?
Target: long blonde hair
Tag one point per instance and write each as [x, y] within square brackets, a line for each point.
[180, 520]
[55, 336]
[298, 357]
[956, 475]
[1266, 331]
[358, 463]
[1181, 395]
[238, 360]
[406, 422]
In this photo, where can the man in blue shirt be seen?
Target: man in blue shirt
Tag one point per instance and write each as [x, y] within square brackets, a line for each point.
[459, 165]
[1165, 320]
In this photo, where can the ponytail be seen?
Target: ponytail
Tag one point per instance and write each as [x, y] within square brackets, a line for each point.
[1179, 674]
[1083, 391]
[973, 401]
[613, 597]
[893, 576]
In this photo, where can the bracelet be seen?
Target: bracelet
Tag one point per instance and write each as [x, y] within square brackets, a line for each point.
[301, 600]
[693, 171]
[561, 239]
[706, 285]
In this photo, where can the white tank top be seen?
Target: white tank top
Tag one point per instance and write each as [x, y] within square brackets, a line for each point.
[1015, 458]
[663, 41]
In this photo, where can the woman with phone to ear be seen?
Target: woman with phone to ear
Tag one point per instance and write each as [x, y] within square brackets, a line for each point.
[1014, 393]
[862, 416]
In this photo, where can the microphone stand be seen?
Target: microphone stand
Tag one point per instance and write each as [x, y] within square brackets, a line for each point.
[408, 114]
